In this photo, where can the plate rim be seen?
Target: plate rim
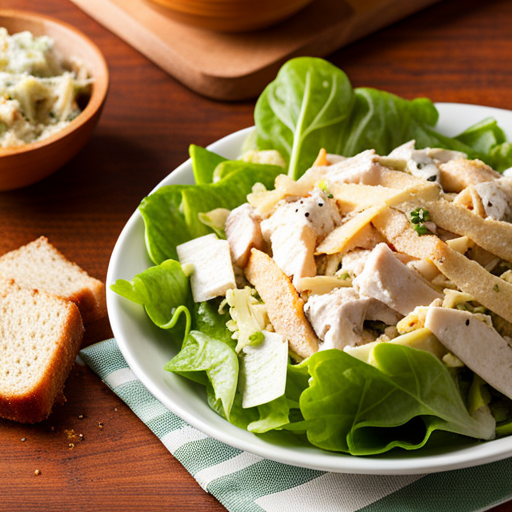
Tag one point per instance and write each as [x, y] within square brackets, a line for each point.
[479, 453]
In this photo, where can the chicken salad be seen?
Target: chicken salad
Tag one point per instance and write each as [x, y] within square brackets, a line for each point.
[345, 302]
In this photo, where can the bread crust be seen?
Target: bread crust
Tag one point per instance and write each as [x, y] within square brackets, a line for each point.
[90, 298]
[35, 404]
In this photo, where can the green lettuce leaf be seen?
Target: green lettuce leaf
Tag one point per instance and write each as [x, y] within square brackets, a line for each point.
[208, 320]
[238, 416]
[206, 360]
[164, 291]
[353, 407]
[204, 163]
[311, 105]
[302, 110]
[272, 415]
[483, 136]
[171, 213]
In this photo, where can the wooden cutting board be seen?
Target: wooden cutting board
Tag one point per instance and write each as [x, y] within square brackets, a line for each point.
[238, 66]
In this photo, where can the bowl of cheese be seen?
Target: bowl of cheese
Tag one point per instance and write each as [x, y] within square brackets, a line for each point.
[53, 84]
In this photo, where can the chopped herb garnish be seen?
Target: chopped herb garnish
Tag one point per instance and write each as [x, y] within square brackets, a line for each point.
[421, 229]
[322, 185]
[419, 215]
[256, 339]
[344, 276]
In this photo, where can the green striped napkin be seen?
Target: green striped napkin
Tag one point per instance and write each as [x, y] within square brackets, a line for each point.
[243, 482]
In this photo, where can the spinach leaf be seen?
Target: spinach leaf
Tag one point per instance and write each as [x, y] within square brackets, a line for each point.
[483, 136]
[204, 163]
[311, 105]
[302, 110]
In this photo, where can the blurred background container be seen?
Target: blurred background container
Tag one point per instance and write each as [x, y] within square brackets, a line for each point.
[232, 15]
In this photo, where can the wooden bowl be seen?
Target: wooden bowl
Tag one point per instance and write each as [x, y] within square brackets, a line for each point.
[231, 15]
[30, 163]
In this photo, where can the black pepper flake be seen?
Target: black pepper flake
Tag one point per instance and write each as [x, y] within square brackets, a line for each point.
[496, 288]
[419, 165]
[467, 321]
[296, 210]
[320, 204]
[489, 203]
[432, 178]
[306, 214]
[301, 201]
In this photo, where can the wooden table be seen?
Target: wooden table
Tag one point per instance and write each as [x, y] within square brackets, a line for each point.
[458, 50]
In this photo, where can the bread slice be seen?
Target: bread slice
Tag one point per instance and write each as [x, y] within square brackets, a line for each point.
[39, 265]
[40, 336]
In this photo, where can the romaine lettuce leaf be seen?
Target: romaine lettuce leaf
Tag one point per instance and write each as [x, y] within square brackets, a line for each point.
[171, 213]
[202, 356]
[208, 320]
[353, 407]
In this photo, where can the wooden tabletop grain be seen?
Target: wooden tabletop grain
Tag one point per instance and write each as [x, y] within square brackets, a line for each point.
[456, 51]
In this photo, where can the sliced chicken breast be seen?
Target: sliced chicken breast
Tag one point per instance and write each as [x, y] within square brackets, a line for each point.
[387, 279]
[337, 317]
[243, 232]
[477, 345]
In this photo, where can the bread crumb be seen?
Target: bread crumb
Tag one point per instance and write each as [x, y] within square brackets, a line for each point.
[71, 446]
[100, 425]
[37, 472]
[23, 439]
[70, 434]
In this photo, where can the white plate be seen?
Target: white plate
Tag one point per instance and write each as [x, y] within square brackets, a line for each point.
[146, 348]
